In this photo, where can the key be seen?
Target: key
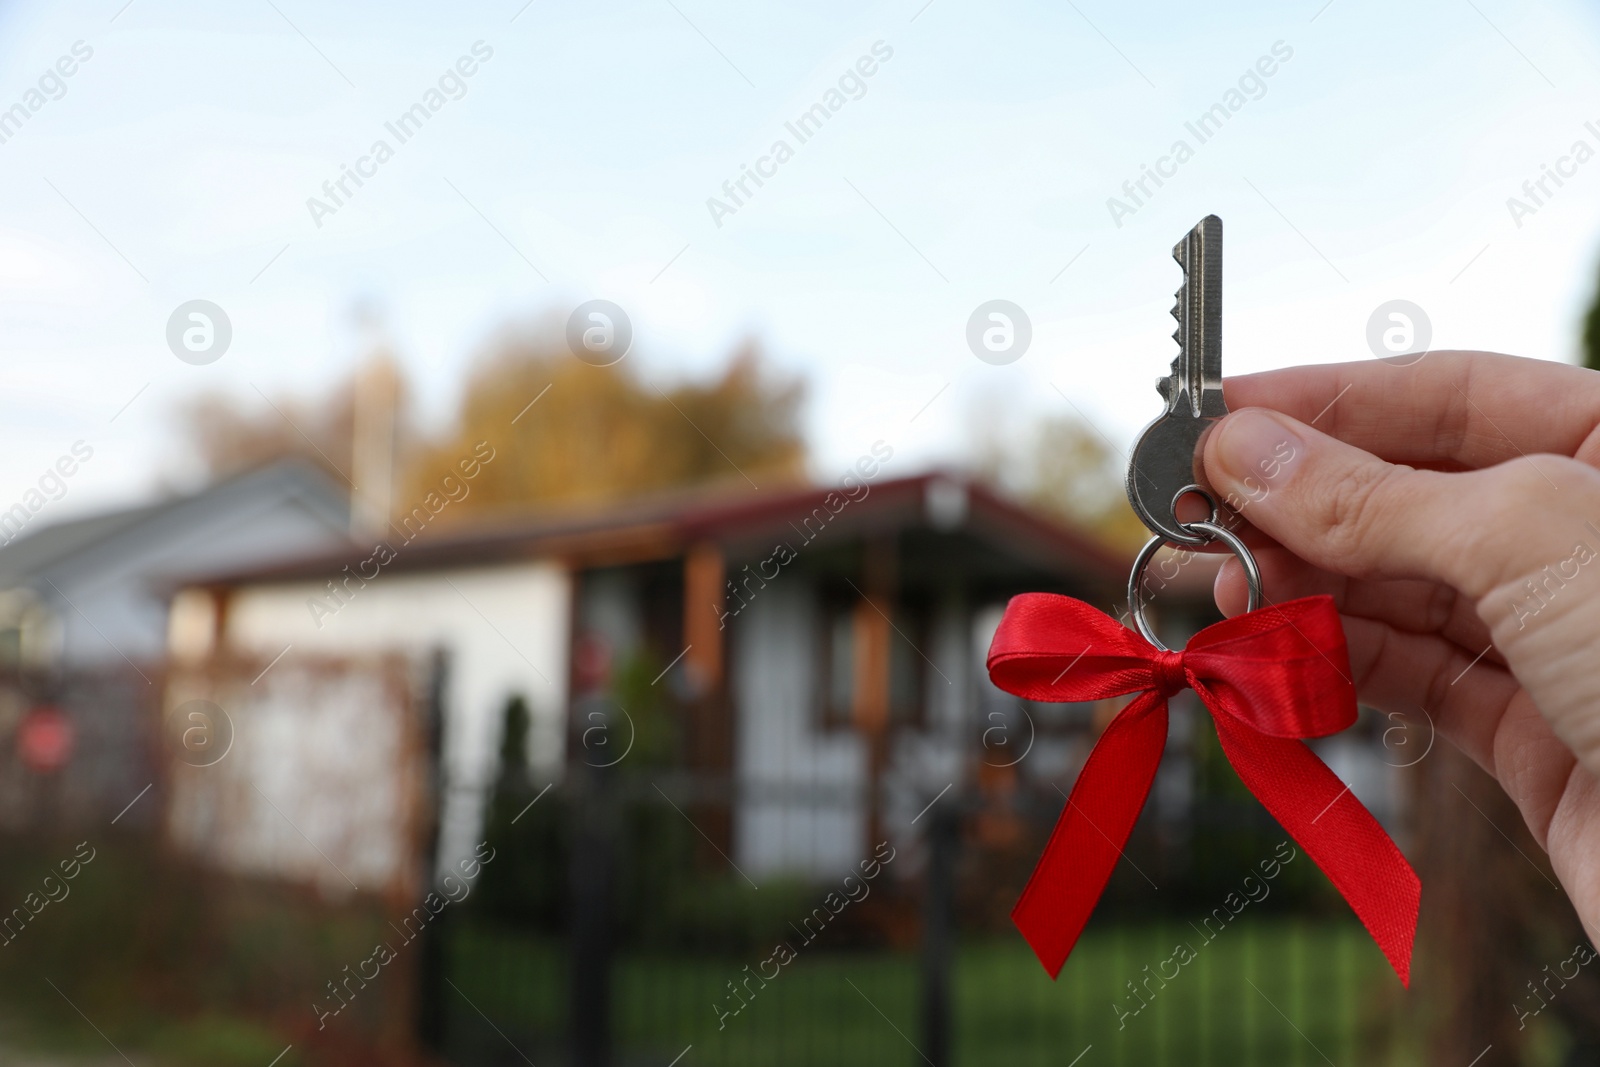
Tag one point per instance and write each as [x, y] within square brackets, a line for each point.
[1164, 461]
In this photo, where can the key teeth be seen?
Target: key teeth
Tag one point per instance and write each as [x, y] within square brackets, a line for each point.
[1172, 385]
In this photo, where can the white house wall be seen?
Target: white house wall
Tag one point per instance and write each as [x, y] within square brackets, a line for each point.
[506, 633]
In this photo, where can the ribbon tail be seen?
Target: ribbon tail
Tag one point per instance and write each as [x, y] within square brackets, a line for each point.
[1088, 837]
[1335, 829]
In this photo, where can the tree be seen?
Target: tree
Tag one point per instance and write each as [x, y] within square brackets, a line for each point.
[1591, 335]
[526, 884]
[229, 436]
[1060, 465]
[566, 432]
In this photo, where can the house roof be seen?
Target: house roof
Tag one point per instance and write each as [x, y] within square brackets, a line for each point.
[741, 522]
[65, 546]
[43, 549]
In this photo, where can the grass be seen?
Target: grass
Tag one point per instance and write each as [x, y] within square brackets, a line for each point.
[209, 1040]
[1269, 991]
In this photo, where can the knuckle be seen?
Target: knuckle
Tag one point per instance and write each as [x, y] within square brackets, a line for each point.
[1525, 510]
[1351, 514]
[1531, 488]
[1518, 485]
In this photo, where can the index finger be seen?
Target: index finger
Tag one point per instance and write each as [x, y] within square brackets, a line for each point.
[1450, 409]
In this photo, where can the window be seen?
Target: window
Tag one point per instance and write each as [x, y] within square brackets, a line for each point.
[853, 632]
[839, 665]
[907, 669]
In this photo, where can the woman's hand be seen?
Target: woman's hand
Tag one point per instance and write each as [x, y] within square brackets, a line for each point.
[1470, 589]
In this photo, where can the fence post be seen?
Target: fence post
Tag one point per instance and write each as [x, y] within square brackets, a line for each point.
[432, 966]
[590, 1004]
[938, 930]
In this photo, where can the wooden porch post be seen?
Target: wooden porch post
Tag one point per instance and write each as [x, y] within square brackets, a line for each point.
[710, 706]
[872, 631]
[703, 598]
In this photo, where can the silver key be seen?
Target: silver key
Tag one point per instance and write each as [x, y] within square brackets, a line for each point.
[1164, 465]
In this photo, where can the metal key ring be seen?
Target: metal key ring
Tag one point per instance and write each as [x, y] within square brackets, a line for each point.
[1198, 490]
[1252, 573]
[1193, 539]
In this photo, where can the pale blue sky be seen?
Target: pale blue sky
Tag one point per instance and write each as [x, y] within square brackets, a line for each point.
[976, 165]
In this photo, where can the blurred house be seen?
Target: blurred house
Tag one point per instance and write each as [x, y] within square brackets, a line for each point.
[811, 640]
[95, 591]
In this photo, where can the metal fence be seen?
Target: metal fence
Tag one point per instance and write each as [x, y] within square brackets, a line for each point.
[650, 946]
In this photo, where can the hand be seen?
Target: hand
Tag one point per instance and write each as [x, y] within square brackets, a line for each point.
[1495, 546]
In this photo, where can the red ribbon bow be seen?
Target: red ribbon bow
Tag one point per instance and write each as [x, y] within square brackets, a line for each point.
[1269, 677]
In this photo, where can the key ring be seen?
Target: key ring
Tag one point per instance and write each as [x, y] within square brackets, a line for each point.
[1207, 531]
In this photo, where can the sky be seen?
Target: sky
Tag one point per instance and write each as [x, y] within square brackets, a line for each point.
[180, 159]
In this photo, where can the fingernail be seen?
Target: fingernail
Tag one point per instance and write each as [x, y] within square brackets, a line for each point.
[1255, 450]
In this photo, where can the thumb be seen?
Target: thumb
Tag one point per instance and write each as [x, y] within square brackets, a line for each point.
[1348, 511]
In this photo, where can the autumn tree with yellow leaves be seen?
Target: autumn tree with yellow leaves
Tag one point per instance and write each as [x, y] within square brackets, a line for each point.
[574, 434]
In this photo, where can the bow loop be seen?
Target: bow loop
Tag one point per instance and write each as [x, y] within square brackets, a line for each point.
[1057, 649]
[1283, 671]
[1270, 678]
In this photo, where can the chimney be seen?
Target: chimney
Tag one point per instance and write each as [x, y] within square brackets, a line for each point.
[377, 399]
